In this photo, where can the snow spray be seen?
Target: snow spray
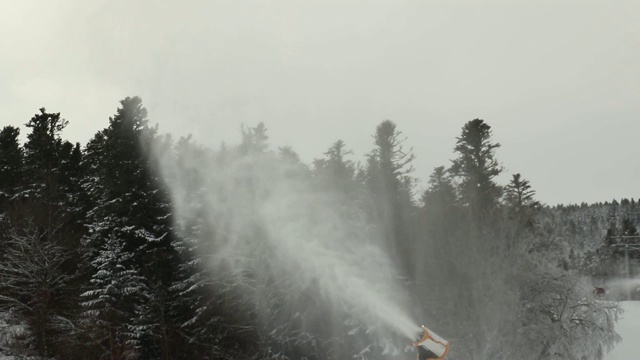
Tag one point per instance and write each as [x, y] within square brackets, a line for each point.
[266, 215]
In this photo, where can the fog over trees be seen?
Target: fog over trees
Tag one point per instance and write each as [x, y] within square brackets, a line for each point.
[138, 245]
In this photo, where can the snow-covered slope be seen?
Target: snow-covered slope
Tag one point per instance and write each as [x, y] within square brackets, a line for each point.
[629, 328]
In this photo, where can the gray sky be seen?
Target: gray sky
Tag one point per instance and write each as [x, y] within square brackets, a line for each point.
[559, 81]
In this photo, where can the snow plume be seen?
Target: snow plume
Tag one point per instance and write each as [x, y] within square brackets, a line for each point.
[266, 219]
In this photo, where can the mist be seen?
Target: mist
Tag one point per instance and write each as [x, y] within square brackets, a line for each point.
[267, 221]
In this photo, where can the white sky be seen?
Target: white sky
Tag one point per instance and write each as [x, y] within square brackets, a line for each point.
[559, 81]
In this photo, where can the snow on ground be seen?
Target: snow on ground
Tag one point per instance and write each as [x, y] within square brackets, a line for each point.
[629, 329]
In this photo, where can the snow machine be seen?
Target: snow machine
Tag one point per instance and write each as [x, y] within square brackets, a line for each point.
[431, 346]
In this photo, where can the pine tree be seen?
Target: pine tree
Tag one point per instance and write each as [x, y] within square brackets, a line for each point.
[391, 187]
[72, 169]
[519, 198]
[476, 167]
[335, 172]
[11, 160]
[441, 192]
[294, 167]
[44, 155]
[442, 218]
[130, 202]
[11, 168]
[116, 293]
[628, 227]
[519, 193]
[254, 140]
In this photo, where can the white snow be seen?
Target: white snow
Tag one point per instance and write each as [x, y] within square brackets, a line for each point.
[629, 329]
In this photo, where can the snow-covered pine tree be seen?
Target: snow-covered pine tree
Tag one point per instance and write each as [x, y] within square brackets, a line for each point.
[113, 299]
[129, 202]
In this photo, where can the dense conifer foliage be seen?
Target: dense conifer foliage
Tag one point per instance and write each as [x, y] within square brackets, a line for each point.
[108, 253]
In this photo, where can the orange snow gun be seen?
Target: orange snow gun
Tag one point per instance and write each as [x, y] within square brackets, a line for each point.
[431, 346]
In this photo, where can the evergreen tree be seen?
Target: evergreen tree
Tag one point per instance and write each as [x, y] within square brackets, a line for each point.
[441, 216]
[254, 140]
[129, 202]
[391, 187]
[44, 156]
[11, 161]
[628, 227]
[72, 169]
[476, 167]
[295, 168]
[519, 198]
[117, 292]
[518, 193]
[441, 192]
[335, 171]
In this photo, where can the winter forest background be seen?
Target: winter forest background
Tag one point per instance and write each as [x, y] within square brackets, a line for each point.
[139, 246]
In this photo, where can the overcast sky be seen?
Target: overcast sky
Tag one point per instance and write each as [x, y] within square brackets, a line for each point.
[558, 81]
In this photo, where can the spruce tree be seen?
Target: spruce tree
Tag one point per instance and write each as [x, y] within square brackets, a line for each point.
[129, 202]
[390, 184]
[519, 198]
[441, 216]
[441, 192]
[117, 291]
[11, 160]
[476, 167]
[335, 171]
[44, 155]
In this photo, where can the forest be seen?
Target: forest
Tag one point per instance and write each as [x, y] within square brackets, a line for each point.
[137, 245]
